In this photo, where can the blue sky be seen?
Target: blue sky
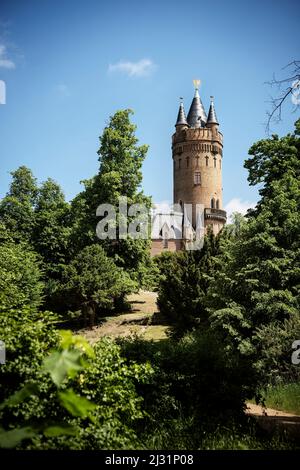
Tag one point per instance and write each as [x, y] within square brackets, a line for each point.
[69, 65]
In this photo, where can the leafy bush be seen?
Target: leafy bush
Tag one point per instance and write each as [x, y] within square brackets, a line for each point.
[195, 378]
[20, 277]
[27, 332]
[93, 283]
[274, 343]
[81, 399]
[184, 281]
[27, 336]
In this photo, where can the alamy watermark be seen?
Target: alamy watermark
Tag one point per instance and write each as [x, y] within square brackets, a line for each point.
[295, 92]
[2, 352]
[137, 221]
[296, 353]
[2, 92]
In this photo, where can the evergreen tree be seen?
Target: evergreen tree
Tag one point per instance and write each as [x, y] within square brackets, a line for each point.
[258, 277]
[17, 207]
[120, 175]
[52, 227]
[93, 283]
[185, 278]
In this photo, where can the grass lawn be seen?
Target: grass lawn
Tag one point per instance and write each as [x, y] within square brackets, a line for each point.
[135, 322]
[284, 398]
[155, 332]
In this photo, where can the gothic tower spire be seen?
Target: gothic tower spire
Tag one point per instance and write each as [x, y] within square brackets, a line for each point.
[212, 117]
[181, 118]
[196, 116]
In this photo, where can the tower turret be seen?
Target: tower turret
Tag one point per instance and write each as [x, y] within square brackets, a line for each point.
[212, 119]
[181, 118]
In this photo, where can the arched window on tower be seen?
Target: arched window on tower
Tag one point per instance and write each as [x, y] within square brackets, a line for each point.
[197, 178]
[220, 163]
[212, 203]
[215, 162]
[179, 163]
[207, 159]
[187, 161]
[217, 204]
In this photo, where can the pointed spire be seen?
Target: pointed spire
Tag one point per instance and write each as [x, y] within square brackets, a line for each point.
[197, 115]
[181, 118]
[212, 117]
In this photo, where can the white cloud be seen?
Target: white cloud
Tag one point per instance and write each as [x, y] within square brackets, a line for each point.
[163, 207]
[236, 205]
[63, 89]
[142, 68]
[5, 63]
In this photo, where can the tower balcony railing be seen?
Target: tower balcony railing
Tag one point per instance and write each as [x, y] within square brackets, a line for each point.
[216, 214]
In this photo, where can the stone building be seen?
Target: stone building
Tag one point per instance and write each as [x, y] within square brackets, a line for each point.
[197, 152]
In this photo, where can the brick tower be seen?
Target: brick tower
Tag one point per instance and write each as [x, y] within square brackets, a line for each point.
[197, 150]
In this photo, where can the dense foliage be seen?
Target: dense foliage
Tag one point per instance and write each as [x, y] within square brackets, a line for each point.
[183, 286]
[254, 298]
[119, 178]
[247, 289]
[233, 311]
[92, 283]
[26, 331]
[63, 235]
[81, 398]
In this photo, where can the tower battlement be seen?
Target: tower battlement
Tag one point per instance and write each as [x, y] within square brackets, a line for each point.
[210, 134]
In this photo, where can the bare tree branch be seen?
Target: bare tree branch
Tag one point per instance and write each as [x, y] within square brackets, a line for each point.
[293, 89]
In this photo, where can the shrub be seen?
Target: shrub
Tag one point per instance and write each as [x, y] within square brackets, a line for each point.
[80, 399]
[27, 332]
[195, 378]
[184, 281]
[93, 283]
[274, 344]
[20, 277]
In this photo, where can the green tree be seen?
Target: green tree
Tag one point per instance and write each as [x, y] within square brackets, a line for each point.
[185, 278]
[271, 160]
[26, 331]
[93, 283]
[120, 175]
[257, 281]
[52, 227]
[17, 207]
[20, 277]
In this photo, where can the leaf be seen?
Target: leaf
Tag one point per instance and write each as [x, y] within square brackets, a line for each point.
[19, 396]
[59, 430]
[62, 364]
[75, 404]
[68, 340]
[10, 439]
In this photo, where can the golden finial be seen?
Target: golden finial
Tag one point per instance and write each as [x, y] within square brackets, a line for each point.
[196, 84]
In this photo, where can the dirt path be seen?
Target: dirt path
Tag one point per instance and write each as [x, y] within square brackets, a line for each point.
[139, 321]
[274, 420]
[257, 410]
